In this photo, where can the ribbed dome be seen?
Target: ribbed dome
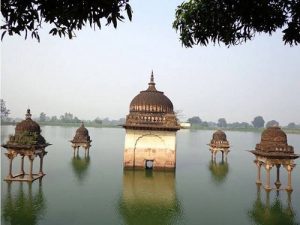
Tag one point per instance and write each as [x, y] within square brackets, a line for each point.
[219, 135]
[273, 141]
[151, 100]
[273, 135]
[28, 125]
[151, 109]
[82, 135]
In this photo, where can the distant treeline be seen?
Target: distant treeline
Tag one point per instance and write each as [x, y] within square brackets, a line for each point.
[257, 123]
[68, 119]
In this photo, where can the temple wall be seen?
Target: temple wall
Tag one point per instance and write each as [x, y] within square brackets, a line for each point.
[142, 145]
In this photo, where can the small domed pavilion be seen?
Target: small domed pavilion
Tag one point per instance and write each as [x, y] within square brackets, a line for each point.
[219, 143]
[273, 150]
[81, 139]
[151, 127]
[27, 141]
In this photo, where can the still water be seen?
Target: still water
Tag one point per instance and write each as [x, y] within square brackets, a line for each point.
[95, 189]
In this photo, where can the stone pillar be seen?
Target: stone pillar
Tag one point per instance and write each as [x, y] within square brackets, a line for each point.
[41, 164]
[10, 156]
[22, 165]
[77, 150]
[268, 169]
[258, 164]
[278, 183]
[31, 158]
[289, 168]
[222, 155]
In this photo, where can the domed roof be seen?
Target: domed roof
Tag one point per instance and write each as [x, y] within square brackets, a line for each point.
[28, 125]
[151, 109]
[219, 140]
[219, 135]
[82, 135]
[27, 135]
[151, 100]
[273, 135]
[274, 144]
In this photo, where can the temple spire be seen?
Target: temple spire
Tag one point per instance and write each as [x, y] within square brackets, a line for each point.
[151, 83]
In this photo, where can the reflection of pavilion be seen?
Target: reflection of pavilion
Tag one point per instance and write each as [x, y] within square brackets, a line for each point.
[23, 205]
[219, 170]
[80, 166]
[149, 198]
[272, 213]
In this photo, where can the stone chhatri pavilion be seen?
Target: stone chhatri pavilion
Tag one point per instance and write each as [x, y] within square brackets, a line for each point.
[274, 151]
[26, 142]
[151, 127]
[219, 143]
[81, 139]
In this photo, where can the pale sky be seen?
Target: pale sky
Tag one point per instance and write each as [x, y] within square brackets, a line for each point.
[99, 72]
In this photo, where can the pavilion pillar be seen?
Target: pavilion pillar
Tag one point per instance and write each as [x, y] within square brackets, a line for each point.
[268, 169]
[10, 156]
[289, 169]
[77, 151]
[258, 164]
[31, 158]
[222, 155]
[278, 183]
[41, 164]
[22, 165]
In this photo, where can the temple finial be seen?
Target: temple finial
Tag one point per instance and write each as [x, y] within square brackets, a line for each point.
[151, 83]
[28, 115]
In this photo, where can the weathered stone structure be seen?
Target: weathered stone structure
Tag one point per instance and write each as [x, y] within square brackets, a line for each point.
[219, 143]
[151, 128]
[26, 142]
[274, 151]
[81, 139]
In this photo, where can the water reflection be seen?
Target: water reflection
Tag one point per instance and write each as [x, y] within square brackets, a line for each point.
[149, 198]
[80, 166]
[23, 205]
[272, 213]
[219, 170]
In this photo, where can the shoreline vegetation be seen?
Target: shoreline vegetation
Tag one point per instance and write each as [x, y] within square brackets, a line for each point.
[193, 127]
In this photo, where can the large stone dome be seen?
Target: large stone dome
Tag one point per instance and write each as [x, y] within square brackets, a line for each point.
[151, 100]
[151, 109]
[219, 135]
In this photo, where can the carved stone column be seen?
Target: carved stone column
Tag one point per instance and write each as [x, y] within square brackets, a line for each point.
[41, 164]
[258, 164]
[10, 156]
[22, 165]
[289, 168]
[31, 158]
[268, 168]
[278, 183]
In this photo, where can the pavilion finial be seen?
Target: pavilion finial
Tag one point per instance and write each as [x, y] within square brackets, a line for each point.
[28, 115]
[152, 77]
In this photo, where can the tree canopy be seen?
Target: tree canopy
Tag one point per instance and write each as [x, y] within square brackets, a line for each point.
[258, 122]
[233, 22]
[65, 16]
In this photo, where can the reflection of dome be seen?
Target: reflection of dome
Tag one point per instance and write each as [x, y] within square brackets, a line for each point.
[27, 132]
[149, 198]
[82, 135]
[274, 143]
[219, 170]
[151, 109]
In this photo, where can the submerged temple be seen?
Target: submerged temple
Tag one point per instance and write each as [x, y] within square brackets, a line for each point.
[151, 127]
[81, 139]
[219, 143]
[274, 151]
[26, 142]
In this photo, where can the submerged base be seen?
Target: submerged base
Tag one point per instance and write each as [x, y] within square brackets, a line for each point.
[24, 177]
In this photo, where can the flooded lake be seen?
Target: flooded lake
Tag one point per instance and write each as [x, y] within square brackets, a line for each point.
[95, 189]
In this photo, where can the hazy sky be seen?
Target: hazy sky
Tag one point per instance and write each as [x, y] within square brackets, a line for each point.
[99, 72]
